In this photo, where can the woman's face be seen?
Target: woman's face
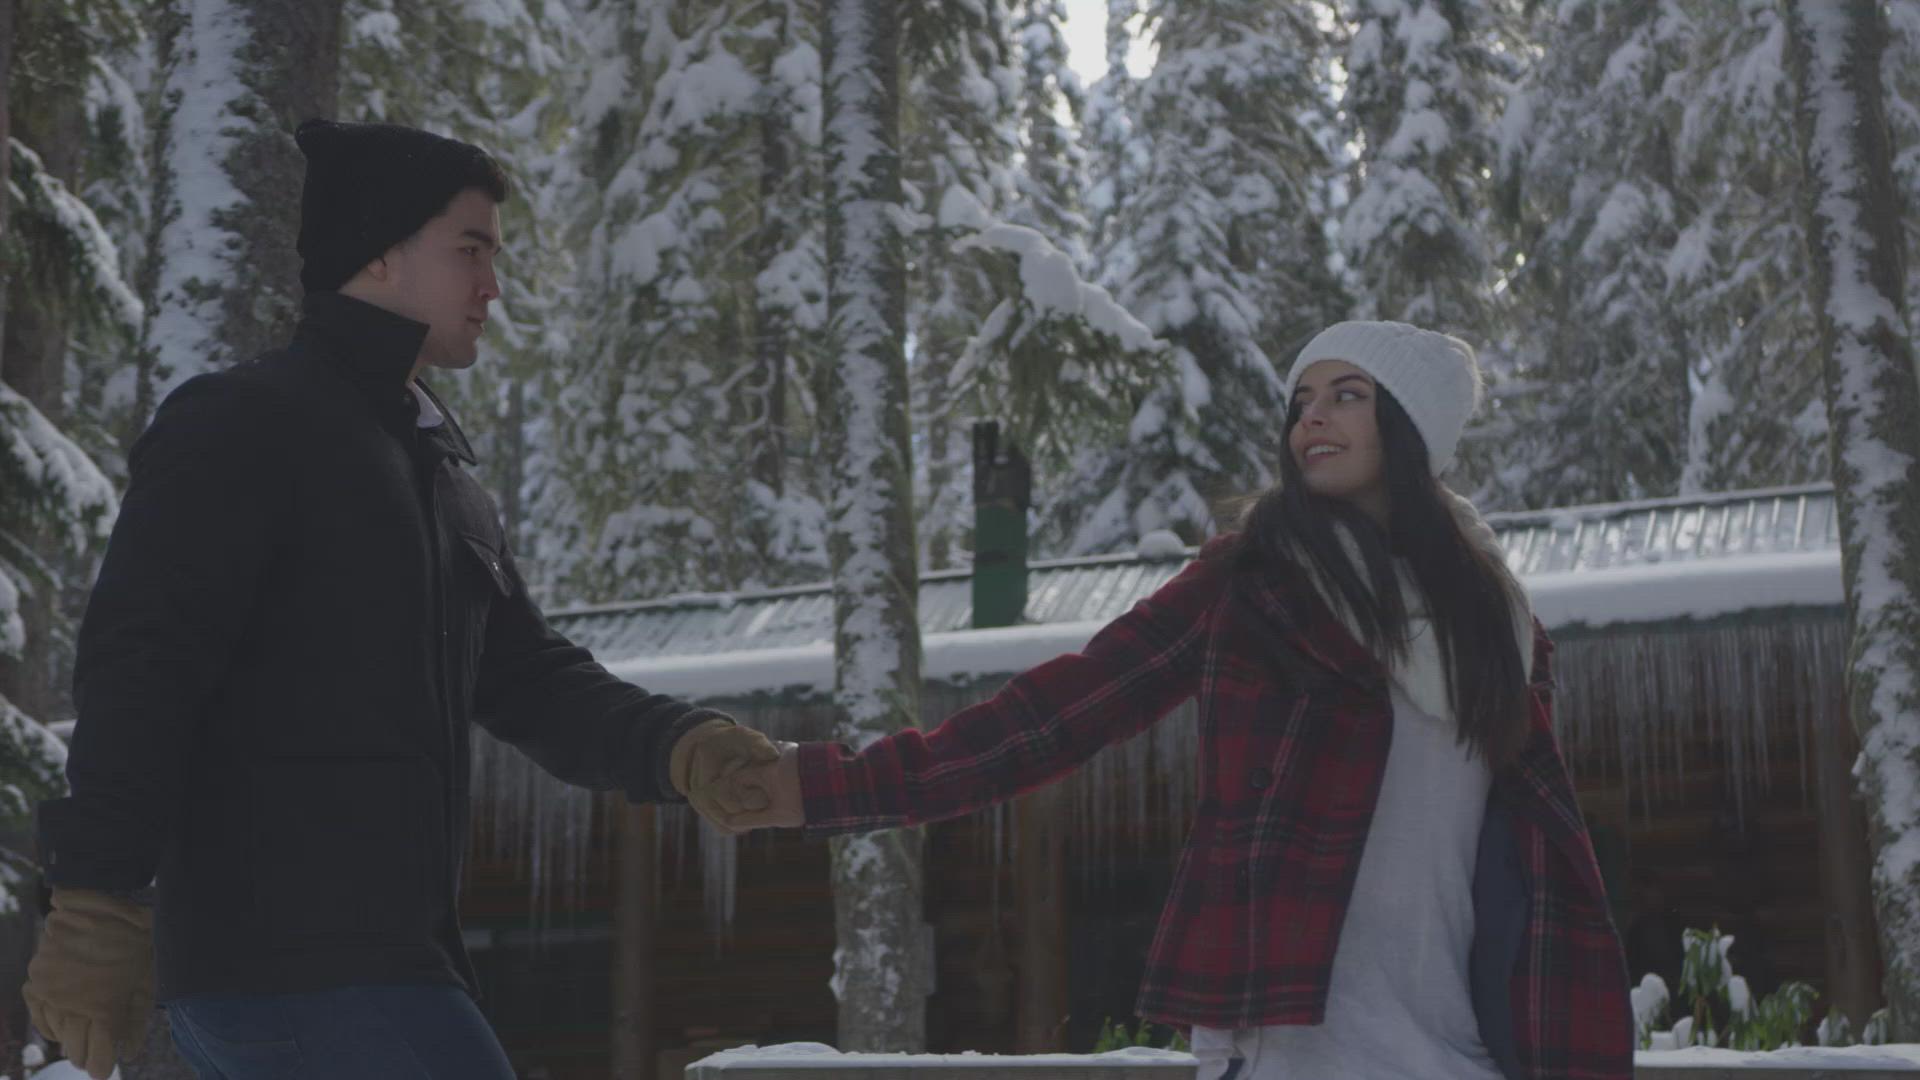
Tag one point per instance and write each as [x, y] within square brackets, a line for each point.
[1336, 440]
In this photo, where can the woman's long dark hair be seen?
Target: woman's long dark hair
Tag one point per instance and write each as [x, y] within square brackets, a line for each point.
[1467, 590]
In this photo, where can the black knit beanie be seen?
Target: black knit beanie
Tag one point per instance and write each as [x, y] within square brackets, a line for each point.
[370, 186]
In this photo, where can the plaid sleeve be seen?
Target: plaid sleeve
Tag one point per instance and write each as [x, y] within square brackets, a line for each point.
[1041, 726]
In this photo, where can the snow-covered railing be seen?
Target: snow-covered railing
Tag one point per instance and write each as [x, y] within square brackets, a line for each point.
[813, 1061]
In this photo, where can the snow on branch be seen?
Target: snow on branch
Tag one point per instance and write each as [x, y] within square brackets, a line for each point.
[50, 467]
[1057, 354]
[96, 258]
[1052, 288]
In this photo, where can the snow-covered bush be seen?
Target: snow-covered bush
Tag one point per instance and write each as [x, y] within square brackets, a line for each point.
[1835, 1030]
[1719, 1008]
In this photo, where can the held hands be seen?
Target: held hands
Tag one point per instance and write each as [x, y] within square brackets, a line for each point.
[90, 983]
[738, 779]
[779, 784]
[704, 763]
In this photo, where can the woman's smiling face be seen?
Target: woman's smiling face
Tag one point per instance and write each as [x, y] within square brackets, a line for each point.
[1335, 437]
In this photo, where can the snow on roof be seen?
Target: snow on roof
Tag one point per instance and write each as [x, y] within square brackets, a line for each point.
[1585, 567]
[952, 657]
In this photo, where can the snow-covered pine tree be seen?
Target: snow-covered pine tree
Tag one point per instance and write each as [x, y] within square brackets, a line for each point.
[669, 133]
[1220, 250]
[779, 535]
[1423, 83]
[1046, 353]
[1737, 272]
[66, 300]
[60, 287]
[958, 144]
[237, 77]
[1116, 154]
[1051, 182]
[880, 968]
[698, 120]
[1596, 409]
[1852, 217]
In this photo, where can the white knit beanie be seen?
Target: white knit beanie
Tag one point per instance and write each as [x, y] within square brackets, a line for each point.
[1433, 376]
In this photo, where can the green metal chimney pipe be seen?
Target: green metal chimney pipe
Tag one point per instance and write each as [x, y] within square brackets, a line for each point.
[1002, 494]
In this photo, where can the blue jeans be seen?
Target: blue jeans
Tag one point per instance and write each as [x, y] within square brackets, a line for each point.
[363, 1032]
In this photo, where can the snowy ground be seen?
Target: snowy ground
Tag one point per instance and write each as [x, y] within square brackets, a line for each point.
[1897, 1058]
[825, 1058]
[1900, 1057]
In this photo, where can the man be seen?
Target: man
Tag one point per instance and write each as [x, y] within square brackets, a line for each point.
[305, 600]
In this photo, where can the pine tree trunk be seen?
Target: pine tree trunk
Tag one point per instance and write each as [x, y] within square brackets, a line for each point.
[635, 926]
[1853, 954]
[228, 281]
[292, 61]
[1853, 225]
[880, 976]
[1040, 819]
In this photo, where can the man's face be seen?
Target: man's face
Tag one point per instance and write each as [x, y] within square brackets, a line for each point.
[443, 276]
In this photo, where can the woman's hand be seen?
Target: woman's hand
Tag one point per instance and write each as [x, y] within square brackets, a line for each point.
[779, 782]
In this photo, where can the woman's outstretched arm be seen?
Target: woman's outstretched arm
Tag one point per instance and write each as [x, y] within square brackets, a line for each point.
[1040, 727]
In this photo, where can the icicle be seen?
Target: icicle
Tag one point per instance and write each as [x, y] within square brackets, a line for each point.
[996, 824]
[1648, 694]
[719, 874]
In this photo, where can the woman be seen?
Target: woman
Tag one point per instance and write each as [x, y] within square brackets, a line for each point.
[1387, 874]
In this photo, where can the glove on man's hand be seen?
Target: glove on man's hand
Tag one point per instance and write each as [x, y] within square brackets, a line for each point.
[705, 761]
[90, 983]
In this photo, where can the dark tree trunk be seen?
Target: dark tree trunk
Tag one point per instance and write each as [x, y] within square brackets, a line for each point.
[293, 63]
[636, 918]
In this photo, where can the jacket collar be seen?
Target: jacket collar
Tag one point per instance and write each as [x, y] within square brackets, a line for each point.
[375, 350]
[372, 346]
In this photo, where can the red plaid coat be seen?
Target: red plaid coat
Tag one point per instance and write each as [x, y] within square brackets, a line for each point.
[1294, 725]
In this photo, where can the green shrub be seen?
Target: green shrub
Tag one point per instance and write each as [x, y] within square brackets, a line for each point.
[1117, 1037]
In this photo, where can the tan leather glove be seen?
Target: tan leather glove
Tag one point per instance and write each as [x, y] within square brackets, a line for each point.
[703, 764]
[90, 983]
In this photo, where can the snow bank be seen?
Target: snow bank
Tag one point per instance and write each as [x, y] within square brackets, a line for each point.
[1900, 1057]
[64, 1070]
[1896, 1058]
[823, 1057]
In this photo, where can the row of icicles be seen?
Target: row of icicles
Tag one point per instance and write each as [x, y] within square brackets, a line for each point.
[1634, 710]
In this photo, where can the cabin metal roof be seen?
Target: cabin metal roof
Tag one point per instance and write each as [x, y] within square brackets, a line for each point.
[1095, 588]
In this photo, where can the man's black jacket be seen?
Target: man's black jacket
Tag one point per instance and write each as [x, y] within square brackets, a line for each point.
[304, 603]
